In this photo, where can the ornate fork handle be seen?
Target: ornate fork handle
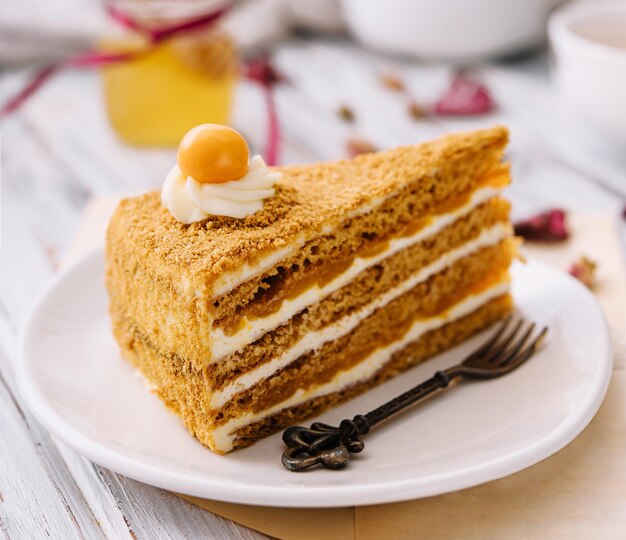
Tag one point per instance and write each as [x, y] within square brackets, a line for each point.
[331, 446]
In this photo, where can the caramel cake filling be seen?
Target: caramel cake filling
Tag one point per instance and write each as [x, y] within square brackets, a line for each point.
[433, 298]
[226, 384]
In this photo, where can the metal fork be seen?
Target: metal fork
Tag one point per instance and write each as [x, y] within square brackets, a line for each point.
[331, 446]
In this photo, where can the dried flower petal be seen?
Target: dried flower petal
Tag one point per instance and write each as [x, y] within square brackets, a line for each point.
[346, 113]
[416, 111]
[359, 146]
[548, 226]
[262, 70]
[392, 82]
[584, 270]
[465, 96]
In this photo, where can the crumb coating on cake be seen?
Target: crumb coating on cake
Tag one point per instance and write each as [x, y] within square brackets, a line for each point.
[161, 276]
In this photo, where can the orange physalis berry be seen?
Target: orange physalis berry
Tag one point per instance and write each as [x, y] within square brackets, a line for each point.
[213, 154]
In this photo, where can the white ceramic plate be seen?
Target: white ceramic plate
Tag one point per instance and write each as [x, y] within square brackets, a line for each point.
[74, 380]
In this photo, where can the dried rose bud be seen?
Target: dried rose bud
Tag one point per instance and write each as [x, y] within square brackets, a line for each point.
[466, 96]
[392, 82]
[416, 111]
[584, 270]
[359, 146]
[346, 113]
[624, 212]
[262, 70]
[548, 226]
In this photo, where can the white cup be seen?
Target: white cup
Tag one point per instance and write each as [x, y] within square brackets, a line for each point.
[588, 39]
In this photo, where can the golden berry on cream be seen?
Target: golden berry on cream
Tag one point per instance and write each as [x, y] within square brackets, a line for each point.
[214, 176]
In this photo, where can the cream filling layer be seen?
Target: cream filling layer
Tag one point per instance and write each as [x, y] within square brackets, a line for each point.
[222, 344]
[230, 280]
[314, 340]
[223, 435]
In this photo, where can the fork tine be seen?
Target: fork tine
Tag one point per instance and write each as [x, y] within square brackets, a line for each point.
[501, 346]
[529, 350]
[512, 352]
[492, 340]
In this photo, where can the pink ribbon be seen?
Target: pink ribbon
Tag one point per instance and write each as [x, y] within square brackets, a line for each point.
[159, 34]
[155, 36]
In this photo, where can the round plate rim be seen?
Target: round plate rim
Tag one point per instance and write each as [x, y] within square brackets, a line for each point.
[311, 496]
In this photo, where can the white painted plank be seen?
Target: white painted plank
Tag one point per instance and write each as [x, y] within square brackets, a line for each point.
[160, 515]
[36, 500]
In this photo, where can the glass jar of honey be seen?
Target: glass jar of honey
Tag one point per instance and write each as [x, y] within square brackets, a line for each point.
[165, 89]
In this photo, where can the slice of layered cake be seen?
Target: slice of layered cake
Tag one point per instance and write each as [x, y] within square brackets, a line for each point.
[252, 298]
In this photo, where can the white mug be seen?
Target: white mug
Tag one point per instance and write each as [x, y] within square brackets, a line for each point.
[588, 39]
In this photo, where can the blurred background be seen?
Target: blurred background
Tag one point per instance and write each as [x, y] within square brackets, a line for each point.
[94, 96]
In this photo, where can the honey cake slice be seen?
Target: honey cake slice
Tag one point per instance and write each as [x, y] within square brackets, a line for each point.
[349, 273]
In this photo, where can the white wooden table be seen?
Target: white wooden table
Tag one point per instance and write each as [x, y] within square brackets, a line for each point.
[59, 150]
